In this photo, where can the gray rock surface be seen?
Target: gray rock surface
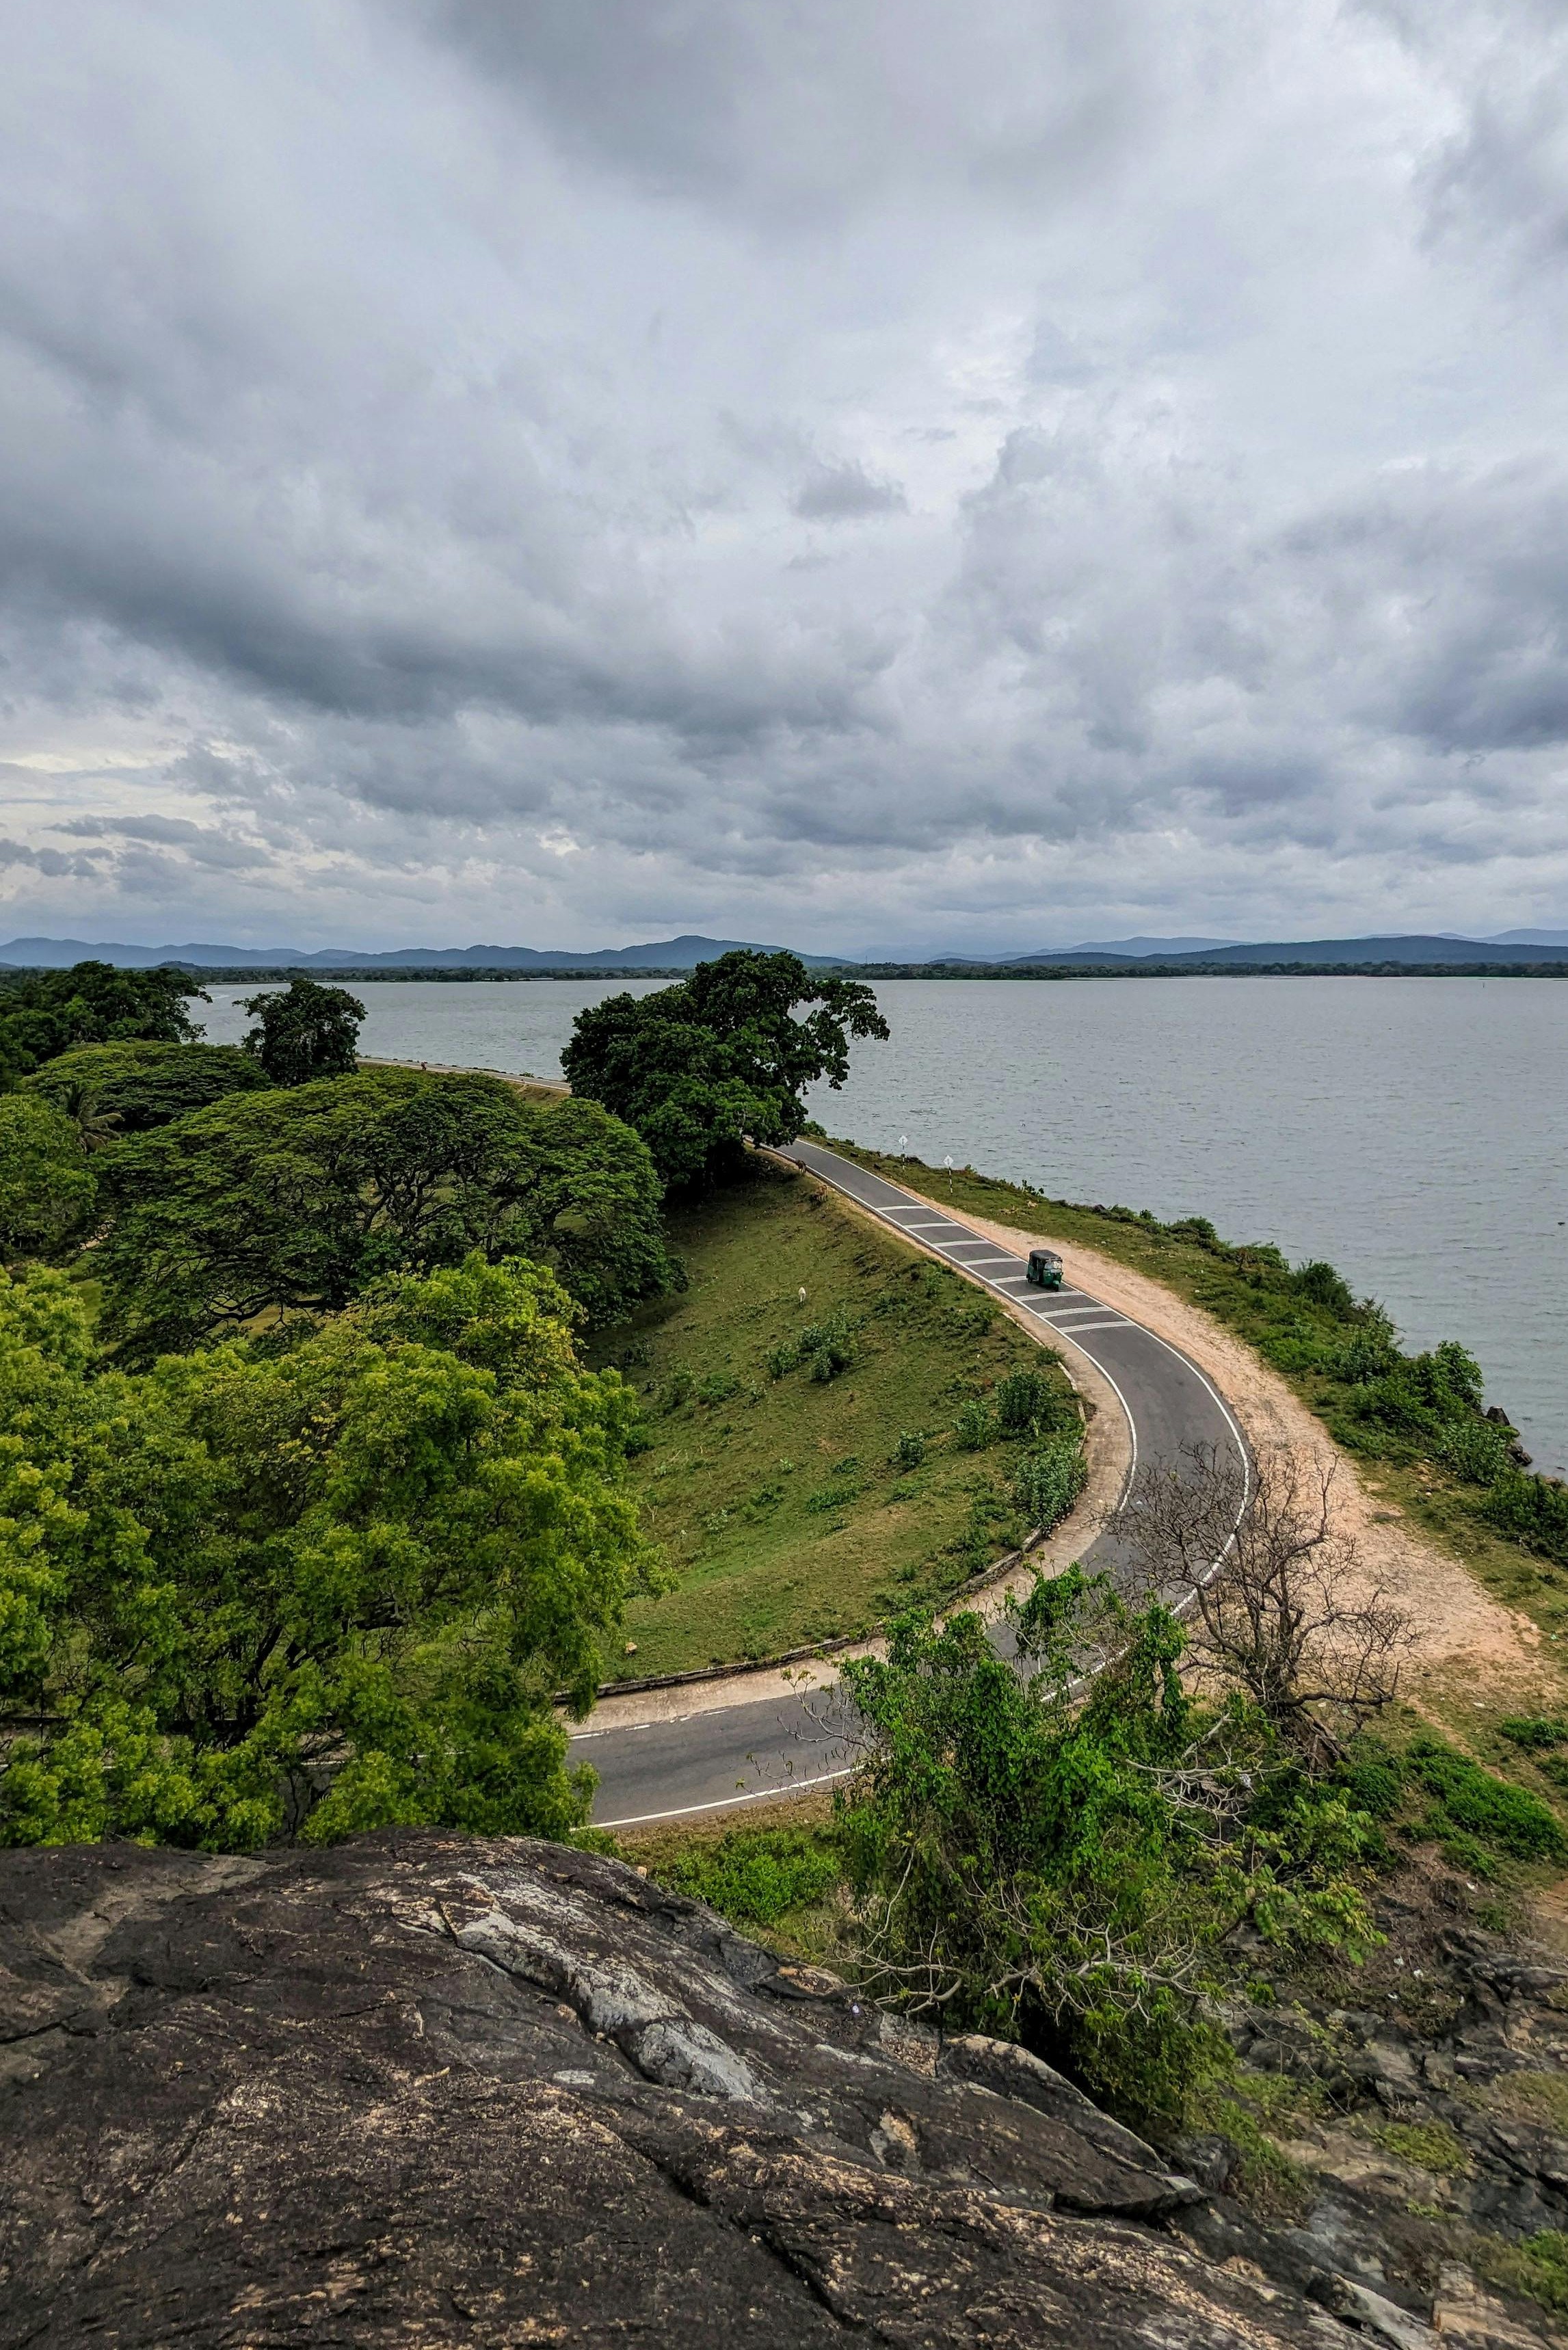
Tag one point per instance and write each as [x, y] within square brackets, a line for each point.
[421, 2090]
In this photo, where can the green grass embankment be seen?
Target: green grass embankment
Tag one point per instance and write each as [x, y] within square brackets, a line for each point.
[813, 1466]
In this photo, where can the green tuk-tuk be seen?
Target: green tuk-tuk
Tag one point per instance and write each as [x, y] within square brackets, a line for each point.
[1044, 1269]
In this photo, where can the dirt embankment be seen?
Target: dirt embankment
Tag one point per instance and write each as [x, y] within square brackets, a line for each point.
[1462, 1631]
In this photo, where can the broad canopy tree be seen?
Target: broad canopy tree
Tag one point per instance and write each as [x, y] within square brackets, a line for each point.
[44, 1013]
[299, 1199]
[697, 1067]
[325, 1588]
[47, 1186]
[304, 1031]
[135, 1084]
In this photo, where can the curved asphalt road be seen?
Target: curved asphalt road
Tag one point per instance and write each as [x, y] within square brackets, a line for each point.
[746, 1753]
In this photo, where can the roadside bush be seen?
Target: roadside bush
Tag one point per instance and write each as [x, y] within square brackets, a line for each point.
[1024, 1401]
[1324, 1286]
[757, 1876]
[1532, 1509]
[1474, 1449]
[1046, 1484]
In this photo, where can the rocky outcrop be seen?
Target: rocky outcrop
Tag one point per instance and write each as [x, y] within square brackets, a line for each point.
[1427, 2132]
[419, 2090]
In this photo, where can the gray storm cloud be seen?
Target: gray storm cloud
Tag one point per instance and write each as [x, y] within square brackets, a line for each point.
[562, 469]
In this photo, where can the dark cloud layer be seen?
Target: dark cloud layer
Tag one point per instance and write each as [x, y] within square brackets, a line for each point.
[569, 468]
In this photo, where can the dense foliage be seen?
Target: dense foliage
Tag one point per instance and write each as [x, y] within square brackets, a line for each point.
[42, 1012]
[1031, 1861]
[47, 1187]
[329, 1587]
[304, 1031]
[697, 1067]
[297, 1199]
[129, 1087]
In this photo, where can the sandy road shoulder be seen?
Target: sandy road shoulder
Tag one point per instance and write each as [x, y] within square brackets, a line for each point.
[1457, 1624]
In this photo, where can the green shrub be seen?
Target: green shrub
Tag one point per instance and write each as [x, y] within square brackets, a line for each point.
[1024, 1400]
[757, 1876]
[1046, 1484]
[974, 1428]
[1506, 1818]
[1537, 2267]
[828, 1348]
[1534, 1732]
[677, 1389]
[1316, 1281]
[1374, 1783]
[1533, 1511]
[910, 1449]
[1429, 2145]
[1475, 1449]
[717, 1388]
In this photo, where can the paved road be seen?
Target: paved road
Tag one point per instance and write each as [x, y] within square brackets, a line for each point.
[745, 1754]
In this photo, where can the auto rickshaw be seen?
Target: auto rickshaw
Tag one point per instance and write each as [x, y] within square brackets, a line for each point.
[1044, 1269]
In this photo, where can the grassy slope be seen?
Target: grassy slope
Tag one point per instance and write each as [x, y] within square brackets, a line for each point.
[775, 1499]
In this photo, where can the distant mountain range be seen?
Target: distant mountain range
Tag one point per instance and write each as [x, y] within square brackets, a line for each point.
[685, 952]
[1518, 947]
[663, 954]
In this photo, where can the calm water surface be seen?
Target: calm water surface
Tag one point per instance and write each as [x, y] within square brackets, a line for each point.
[1414, 1131]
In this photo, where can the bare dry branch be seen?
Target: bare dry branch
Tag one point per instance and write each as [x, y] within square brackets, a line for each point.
[1281, 1607]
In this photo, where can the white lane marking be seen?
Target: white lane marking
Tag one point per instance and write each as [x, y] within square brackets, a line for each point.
[725, 1803]
[1201, 1376]
[1075, 1330]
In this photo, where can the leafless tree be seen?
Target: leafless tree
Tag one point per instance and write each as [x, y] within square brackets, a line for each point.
[1276, 1595]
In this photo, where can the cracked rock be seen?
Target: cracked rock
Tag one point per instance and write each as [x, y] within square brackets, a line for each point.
[424, 2089]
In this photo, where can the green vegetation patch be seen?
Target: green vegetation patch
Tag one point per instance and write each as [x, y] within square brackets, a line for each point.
[1425, 2146]
[1500, 1816]
[805, 1474]
[1537, 2268]
[780, 1883]
[1538, 2098]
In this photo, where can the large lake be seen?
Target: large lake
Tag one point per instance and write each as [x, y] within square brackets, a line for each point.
[1413, 1131]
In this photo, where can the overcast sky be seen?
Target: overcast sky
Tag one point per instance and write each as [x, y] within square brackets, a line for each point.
[845, 471]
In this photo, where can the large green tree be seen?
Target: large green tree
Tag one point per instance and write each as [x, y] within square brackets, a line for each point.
[304, 1031]
[1059, 1864]
[131, 1086]
[42, 1012]
[298, 1198]
[727, 1053]
[47, 1187]
[321, 1589]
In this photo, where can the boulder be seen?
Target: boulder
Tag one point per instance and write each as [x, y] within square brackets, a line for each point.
[418, 2089]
